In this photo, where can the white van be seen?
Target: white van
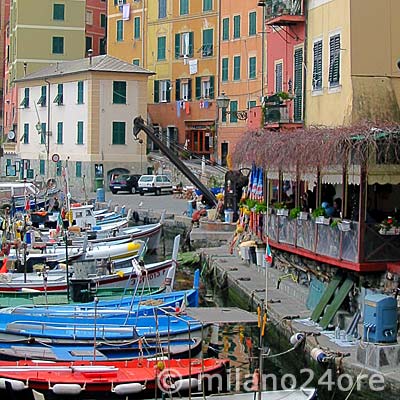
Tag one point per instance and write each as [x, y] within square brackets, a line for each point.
[156, 184]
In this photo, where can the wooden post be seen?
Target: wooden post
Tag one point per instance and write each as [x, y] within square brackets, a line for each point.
[362, 212]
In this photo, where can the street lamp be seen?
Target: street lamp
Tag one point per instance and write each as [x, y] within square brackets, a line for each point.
[141, 155]
[223, 102]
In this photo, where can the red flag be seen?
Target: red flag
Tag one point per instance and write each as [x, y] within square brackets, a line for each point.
[4, 269]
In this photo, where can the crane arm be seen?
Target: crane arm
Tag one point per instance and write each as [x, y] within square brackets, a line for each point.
[139, 125]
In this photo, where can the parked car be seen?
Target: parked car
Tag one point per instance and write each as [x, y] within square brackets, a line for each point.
[156, 184]
[124, 183]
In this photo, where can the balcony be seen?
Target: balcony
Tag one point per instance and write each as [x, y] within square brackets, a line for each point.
[284, 12]
[279, 112]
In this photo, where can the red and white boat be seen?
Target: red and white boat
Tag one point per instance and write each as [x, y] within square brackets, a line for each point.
[138, 378]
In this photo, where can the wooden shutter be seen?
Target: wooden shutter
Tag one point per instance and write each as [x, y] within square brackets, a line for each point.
[189, 89]
[168, 92]
[156, 91]
[191, 43]
[212, 91]
[198, 87]
[334, 60]
[178, 89]
[278, 78]
[177, 45]
[317, 67]
[298, 85]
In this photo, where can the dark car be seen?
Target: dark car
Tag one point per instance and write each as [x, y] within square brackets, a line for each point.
[124, 183]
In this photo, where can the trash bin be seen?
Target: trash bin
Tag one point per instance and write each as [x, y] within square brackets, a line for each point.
[98, 183]
[228, 215]
[100, 195]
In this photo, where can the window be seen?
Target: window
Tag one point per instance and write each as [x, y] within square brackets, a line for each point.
[162, 8]
[58, 168]
[207, 49]
[184, 44]
[236, 68]
[26, 134]
[184, 90]
[120, 30]
[102, 45]
[161, 52]
[225, 66]
[89, 17]
[205, 87]
[136, 28]
[118, 133]
[334, 60]
[252, 23]
[89, 43]
[225, 29]
[58, 45]
[136, 61]
[80, 93]
[236, 27]
[207, 5]
[165, 88]
[252, 67]
[317, 66]
[278, 77]
[183, 7]
[60, 96]
[43, 97]
[42, 167]
[117, 2]
[43, 133]
[25, 101]
[103, 20]
[60, 133]
[79, 132]
[162, 91]
[119, 92]
[233, 109]
[251, 104]
[78, 169]
[58, 12]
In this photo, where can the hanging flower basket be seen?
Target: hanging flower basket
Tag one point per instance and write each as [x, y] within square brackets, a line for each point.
[390, 226]
[344, 225]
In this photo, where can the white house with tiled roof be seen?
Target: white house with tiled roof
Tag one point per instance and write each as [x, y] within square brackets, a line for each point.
[81, 112]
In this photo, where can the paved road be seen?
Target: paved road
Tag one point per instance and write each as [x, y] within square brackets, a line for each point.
[149, 202]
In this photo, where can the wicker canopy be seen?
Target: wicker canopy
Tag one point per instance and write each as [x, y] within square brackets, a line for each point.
[320, 147]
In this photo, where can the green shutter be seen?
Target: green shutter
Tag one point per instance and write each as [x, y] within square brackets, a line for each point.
[233, 108]
[198, 87]
[43, 133]
[212, 90]
[207, 5]
[118, 133]
[26, 133]
[252, 23]
[184, 7]
[225, 29]
[42, 167]
[58, 168]
[317, 66]
[236, 68]
[119, 92]
[191, 42]
[189, 89]
[58, 12]
[168, 91]
[278, 78]
[156, 91]
[60, 135]
[334, 60]
[207, 43]
[78, 169]
[225, 64]
[177, 45]
[178, 89]
[79, 138]
[298, 85]
[251, 104]
[103, 20]
[80, 92]
[252, 67]
[236, 26]
[223, 115]
[161, 42]
[137, 28]
[120, 31]
[58, 45]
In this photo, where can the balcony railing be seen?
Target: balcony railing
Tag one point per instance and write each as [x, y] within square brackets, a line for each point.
[283, 12]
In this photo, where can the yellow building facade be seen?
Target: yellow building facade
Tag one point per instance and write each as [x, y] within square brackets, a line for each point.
[352, 62]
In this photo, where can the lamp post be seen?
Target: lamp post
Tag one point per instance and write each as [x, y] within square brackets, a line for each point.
[141, 155]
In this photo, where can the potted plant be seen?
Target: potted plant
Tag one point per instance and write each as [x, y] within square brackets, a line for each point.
[320, 217]
[344, 225]
[260, 208]
[389, 226]
[294, 213]
[281, 209]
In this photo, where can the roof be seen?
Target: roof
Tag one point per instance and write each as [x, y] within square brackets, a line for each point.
[103, 63]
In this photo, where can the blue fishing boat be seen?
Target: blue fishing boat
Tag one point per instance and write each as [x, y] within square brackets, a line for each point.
[28, 349]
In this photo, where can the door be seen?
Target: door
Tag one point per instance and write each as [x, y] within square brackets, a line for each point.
[224, 153]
